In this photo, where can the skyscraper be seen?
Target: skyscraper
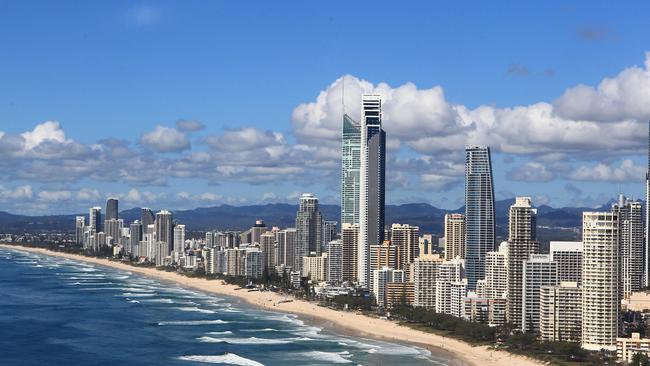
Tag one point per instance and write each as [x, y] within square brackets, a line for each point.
[111, 209]
[454, 236]
[146, 218]
[165, 229]
[350, 170]
[95, 219]
[330, 233]
[479, 211]
[407, 239]
[568, 256]
[372, 182]
[309, 223]
[80, 223]
[538, 270]
[646, 252]
[522, 242]
[600, 294]
[136, 237]
[179, 239]
[350, 241]
[630, 245]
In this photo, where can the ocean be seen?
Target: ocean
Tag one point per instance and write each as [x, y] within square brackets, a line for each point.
[57, 311]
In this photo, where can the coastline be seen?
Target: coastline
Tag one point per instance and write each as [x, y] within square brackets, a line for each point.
[349, 323]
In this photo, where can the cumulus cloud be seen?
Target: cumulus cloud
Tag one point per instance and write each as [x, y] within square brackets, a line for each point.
[47, 131]
[531, 172]
[165, 140]
[17, 193]
[626, 171]
[54, 196]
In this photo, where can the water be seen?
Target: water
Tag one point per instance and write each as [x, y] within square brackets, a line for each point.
[56, 311]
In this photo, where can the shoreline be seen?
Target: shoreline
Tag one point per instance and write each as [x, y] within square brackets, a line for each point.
[347, 323]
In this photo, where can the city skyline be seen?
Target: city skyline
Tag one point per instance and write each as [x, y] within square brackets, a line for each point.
[166, 150]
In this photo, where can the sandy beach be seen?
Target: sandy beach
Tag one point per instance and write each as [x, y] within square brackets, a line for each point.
[461, 353]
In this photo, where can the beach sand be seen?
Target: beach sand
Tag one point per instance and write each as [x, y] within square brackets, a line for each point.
[458, 352]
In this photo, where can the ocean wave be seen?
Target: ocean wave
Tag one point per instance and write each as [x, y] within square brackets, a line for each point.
[196, 309]
[228, 358]
[260, 330]
[331, 357]
[194, 322]
[137, 294]
[161, 301]
[252, 340]
[220, 333]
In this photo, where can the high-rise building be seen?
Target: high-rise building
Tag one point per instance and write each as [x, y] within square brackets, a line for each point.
[136, 237]
[269, 250]
[286, 247]
[600, 294]
[256, 231]
[350, 171]
[448, 272]
[646, 252]
[630, 218]
[165, 229]
[253, 262]
[381, 278]
[479, 211]
[522, 242]
[349, 240]
[209, 239]
[568, 256]
[315, 267]
[95, 219]
[496, 273]
[407, 239]
[80, 223]
[330, 233]
[539, 270]
[111, 209]
[335, 261]
[425, 272]
[112, 228]
[309, 224]
[560, 312]
[372, 183]
[454, 236]
[146, 218]
[384, 255]
[179, 239]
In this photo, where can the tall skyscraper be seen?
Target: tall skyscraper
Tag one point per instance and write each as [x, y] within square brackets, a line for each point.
[479, 212]
[165, 229]
[179, 239]
[454, 236]
[350, 170]
[335, 261]
[330, 233]
[136, 237]
[630, 217]
[372, 182]
[538, 270]
[646, 252]
[600, 294]
[95, 219]
[496, 273]
[146, 218]
[350, 241]
[309, 228]
[111, 209]
[407, 239]
[80, 223]
[522, 242]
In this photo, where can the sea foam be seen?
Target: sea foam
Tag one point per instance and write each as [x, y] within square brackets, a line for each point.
[228, 358]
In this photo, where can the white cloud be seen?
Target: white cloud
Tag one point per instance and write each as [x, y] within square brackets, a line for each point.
[208, 196]
[88, 194]
[532, 171]
[46, 131]
[619, 98]
[164, 140]
[18, 193]
[626, 171]
[54, 196]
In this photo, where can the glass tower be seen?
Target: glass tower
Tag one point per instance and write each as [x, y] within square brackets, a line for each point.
[350, 166]
[372, 187]
[479, 212]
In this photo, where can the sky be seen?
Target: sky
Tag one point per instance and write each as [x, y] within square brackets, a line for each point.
[183, 104]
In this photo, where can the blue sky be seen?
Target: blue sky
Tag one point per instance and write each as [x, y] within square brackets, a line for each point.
[117, 70]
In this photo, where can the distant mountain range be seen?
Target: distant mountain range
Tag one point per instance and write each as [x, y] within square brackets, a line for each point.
[554, 223]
